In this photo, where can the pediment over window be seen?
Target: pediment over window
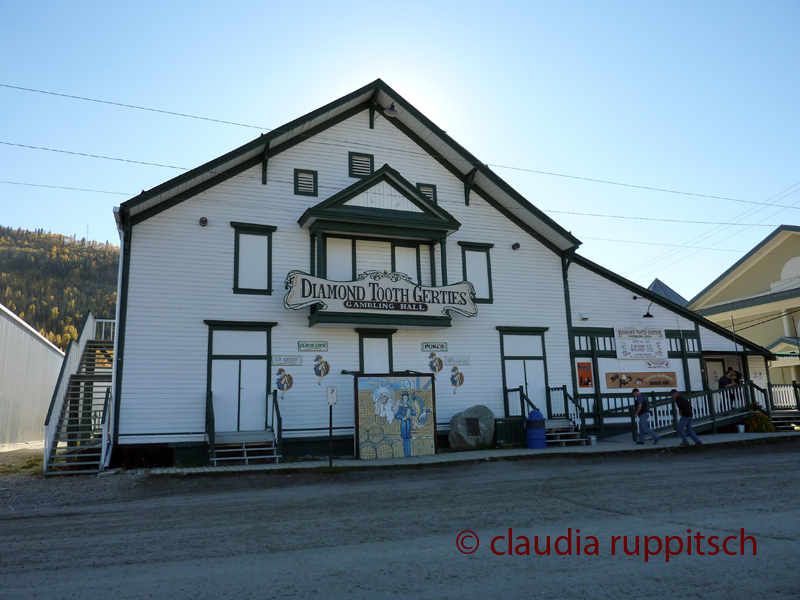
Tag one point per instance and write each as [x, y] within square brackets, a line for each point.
[384, 203]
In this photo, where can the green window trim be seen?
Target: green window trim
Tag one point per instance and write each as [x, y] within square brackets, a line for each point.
[416, 246]
[297, 189]
[478, 247]
[252, 229]
[423, 186]
[351, 156]
[375, 334]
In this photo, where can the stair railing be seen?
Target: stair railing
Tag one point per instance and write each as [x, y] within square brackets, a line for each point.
[105, 452]
[571, 411]
[523, 399]
[210, 425]
[277, 424]
[69, 367]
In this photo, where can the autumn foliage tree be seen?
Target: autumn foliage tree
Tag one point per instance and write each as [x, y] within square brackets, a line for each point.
[51, 280]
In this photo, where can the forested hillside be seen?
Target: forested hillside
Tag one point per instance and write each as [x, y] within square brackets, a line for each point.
[51, 280]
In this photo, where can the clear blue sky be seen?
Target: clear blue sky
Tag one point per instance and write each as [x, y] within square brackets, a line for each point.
[695, 96]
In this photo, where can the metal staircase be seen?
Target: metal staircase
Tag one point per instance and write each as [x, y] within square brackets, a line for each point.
[77, 436]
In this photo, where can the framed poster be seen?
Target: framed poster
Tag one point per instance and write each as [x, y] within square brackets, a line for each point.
[649, 379]
[585, 376]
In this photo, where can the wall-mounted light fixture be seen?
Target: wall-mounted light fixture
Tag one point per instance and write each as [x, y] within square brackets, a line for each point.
[391, 111]
[515, 246]
[647, 315]
[203, 221]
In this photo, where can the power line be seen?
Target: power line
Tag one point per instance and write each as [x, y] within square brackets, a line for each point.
[61, 187]
[523, 169]
[566, 212]
[138, 162]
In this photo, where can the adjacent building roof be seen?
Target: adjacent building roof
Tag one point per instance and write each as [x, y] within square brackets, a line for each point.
[375, 97]
[662, 289]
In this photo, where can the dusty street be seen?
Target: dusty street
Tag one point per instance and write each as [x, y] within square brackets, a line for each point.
[392, 534]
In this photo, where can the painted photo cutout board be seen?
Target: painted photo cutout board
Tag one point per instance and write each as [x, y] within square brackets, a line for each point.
[395, 416]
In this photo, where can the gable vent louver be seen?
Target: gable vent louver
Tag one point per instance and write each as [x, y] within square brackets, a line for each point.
[360, 165]
[305, 183]
[427, 191]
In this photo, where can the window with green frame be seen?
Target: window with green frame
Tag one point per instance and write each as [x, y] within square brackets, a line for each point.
[252, 258]
[477, 269]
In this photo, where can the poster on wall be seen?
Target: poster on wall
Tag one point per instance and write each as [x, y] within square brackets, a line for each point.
[396, 416]
[641, 344]
[585, 376]
[642, 380]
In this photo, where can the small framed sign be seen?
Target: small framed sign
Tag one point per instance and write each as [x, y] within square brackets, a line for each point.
[312, 346]
[434, 346]
[456, 360]
[332, 395]
[286, 361]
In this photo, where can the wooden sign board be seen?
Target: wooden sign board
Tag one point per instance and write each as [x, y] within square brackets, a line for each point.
[642, 380]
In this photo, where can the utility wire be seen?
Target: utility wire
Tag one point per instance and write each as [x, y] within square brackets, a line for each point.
[61, 187]
[478, 163]
[138, 162]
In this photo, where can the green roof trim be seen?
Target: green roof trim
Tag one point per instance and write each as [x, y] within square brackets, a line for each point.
[750, 302]
[742, 260]
[661, 301]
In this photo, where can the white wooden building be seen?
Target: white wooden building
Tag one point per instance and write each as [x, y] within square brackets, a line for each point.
[207, 332]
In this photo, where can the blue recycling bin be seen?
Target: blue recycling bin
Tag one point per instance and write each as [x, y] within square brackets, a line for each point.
[535, 436]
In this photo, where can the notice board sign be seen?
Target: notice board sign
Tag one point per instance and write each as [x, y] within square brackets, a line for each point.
[641, 344]
[661, 379]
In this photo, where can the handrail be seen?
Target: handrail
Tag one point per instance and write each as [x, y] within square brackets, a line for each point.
[278, 432]
[523, 398]
[104, 435]
[210, 425]
[571, 407]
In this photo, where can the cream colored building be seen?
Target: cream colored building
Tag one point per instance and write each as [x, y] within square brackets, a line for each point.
[759, 296]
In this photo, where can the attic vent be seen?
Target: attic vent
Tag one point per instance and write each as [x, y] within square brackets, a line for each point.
[428, 189]
[305, 182]
[361, 164]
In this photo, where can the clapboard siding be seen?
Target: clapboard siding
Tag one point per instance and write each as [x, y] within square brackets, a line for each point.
[182, 274]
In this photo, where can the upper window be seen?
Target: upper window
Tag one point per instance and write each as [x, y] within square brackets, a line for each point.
[252, 258]
[305, 182]
[477, 267]
[428, 190]
[361, 165]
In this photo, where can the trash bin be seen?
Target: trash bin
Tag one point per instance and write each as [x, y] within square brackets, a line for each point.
[740, 428]
[534, 430]
[593, 440]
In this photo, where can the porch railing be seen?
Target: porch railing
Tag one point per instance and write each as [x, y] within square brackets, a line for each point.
[785, 396]
[210, 425]
[563, 406]
[105, 455]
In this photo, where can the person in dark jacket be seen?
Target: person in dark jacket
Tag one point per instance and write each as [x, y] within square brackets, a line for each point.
[685, 422]
[643, 412]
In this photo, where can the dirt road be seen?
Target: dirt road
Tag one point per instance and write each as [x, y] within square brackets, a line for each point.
[392, 534]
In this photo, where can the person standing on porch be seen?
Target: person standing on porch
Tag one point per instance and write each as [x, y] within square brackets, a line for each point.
[685, 422]
[643, 412]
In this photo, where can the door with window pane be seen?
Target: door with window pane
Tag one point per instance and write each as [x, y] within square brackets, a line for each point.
[524, 365]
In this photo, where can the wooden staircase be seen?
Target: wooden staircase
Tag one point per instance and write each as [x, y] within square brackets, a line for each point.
[77, 446]
[561, 432]
[245, 448]
[786, 420]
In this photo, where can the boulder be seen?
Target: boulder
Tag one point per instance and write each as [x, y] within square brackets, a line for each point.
[459, 438]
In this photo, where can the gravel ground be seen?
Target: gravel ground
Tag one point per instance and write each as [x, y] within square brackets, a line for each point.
[392, 533]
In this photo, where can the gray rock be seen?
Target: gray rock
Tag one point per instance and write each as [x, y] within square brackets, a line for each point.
[458, 438]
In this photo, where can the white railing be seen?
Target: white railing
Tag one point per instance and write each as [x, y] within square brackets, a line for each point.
[783, 397]
[105, 330]
[69, 367]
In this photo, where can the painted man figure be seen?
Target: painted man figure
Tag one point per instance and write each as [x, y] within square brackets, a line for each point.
[643, 412]
[685, 422]
[405, 414]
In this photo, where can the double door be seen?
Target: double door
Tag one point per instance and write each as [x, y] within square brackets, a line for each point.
[240, 394]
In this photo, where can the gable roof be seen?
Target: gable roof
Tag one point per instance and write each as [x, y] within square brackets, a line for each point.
[668, 304]
[743, 264]
[428, 216]
[662, 289]
[374, 97]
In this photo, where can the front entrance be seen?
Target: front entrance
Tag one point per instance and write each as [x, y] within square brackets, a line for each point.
[239, 382]
[524, 364]
[240, 394]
